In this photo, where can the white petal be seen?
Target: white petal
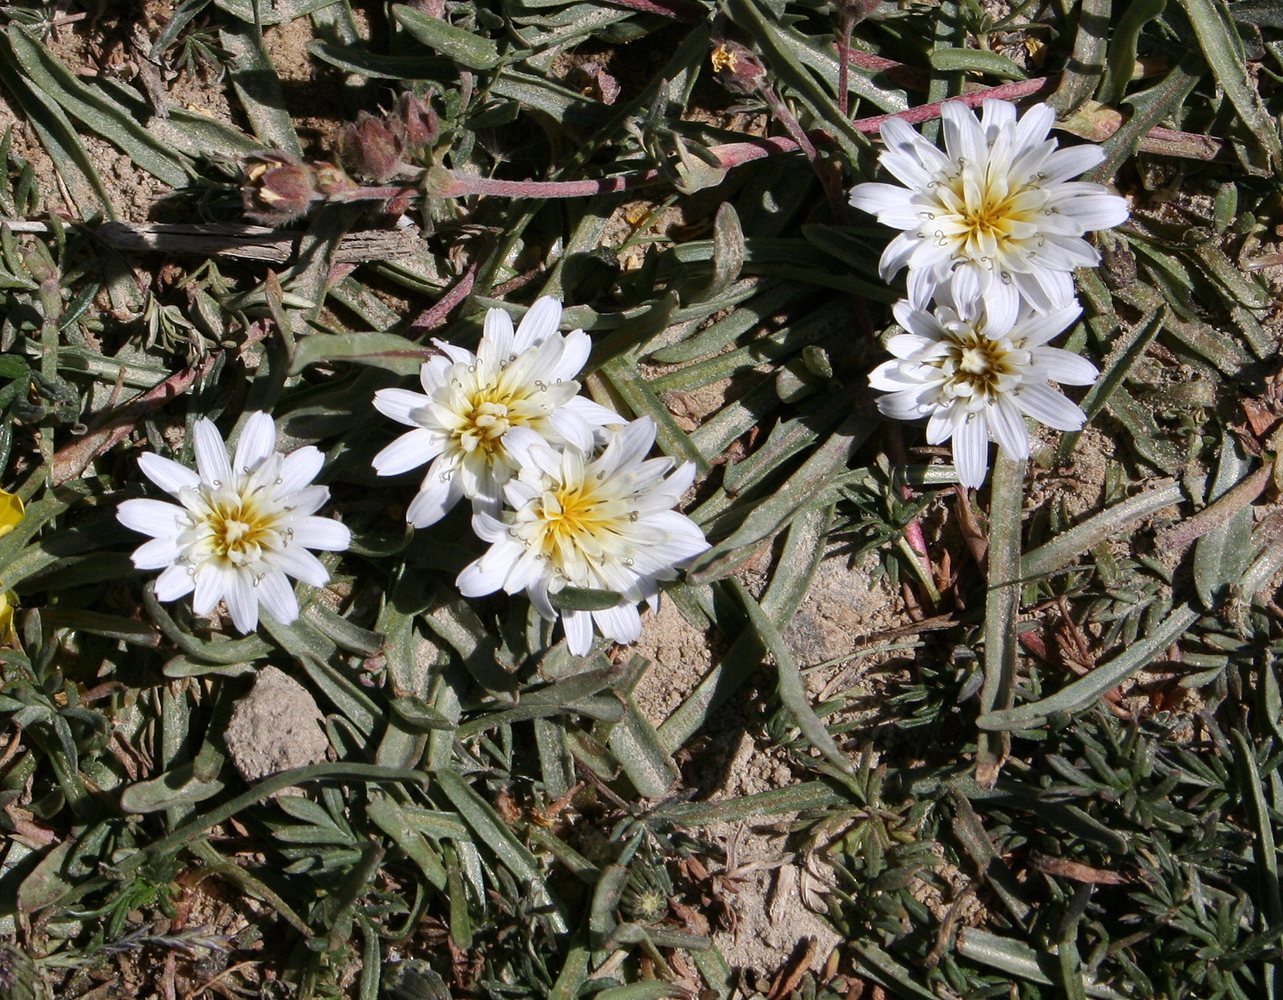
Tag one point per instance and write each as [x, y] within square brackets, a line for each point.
[1065, 367]
[277, 596]
[498, 331]
[994, 114]
[578, 626]
[211, 453]
[166, 473]
[1035, 329]
[892, 205]
[299, 468]
[308, 500]
[1048, 406]
[1034, 125]
[971, 451]
[896, 376]
[1002, 306]
[152, 517]
[538, 324]
[621, 623]
[896, 255]
[174, 583]
[296, 561]
[594, 413]
[242, 602]
[211, 583]
[322, 533]
[1070, 162]
[436, 497]
[922, 283]
[481, 577]
[572, 429]
[1008, 427]
[963, 138]
[409, 451]
[576, 346]
[159, 553]
[400, 405]
[257, 441]
[908, 404]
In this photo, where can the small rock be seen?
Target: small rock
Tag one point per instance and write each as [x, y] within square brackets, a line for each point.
[275, 727]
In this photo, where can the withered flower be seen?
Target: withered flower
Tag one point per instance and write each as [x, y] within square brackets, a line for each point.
[277, 188]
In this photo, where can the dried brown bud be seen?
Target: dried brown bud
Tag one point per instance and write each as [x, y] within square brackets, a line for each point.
[737, 67]
[369, 147]
[415, 122]
[277, 187]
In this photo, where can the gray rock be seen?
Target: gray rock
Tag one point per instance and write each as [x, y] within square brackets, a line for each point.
[275, 727]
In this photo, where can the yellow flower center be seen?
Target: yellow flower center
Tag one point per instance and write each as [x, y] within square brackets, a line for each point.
[486, 422]
[571, 516]
[975, 364]
[242, 529]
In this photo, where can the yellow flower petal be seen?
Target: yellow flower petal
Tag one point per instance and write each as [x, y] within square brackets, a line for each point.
[11, 511]
[6, 618]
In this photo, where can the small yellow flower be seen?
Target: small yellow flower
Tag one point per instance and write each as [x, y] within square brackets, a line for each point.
[11, 511]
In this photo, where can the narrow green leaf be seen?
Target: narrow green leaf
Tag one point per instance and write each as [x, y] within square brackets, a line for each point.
[258, 87]
[950, 60]
[1086, 63]
[1221, 556]
[1121, 55]
[636, 746]
[494, 833]
[792, 689]
[467, 48]
[94, 109]
[1002, 608]
[1223, 51]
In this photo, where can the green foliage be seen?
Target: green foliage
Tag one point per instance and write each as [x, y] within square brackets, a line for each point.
[1059, 776]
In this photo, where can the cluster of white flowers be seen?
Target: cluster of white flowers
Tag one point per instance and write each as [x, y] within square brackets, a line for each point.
[991, 227]
[560, 486]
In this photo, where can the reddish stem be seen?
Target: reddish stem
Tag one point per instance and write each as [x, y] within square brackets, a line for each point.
[729, 155]
[72, 460]
[441, 309]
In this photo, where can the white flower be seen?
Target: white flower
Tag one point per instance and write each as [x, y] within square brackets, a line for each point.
[601, 520]
[240, 528]
[517, 386]
[975, 377]
[996, 210]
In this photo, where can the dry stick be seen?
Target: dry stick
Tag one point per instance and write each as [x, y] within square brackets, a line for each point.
[71, 460]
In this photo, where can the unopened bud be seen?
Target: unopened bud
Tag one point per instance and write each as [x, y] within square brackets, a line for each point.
[415, 122]
[369, 148]
[332, 180]
[277, 187]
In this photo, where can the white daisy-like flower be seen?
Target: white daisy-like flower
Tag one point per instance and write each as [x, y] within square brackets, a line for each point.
[240, 527]
[601, 520]
[518, 386]
[975, 377]
[995, 211]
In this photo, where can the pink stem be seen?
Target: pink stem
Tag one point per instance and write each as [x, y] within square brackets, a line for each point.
[729, 155]
[72, 460]
[441, 309]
